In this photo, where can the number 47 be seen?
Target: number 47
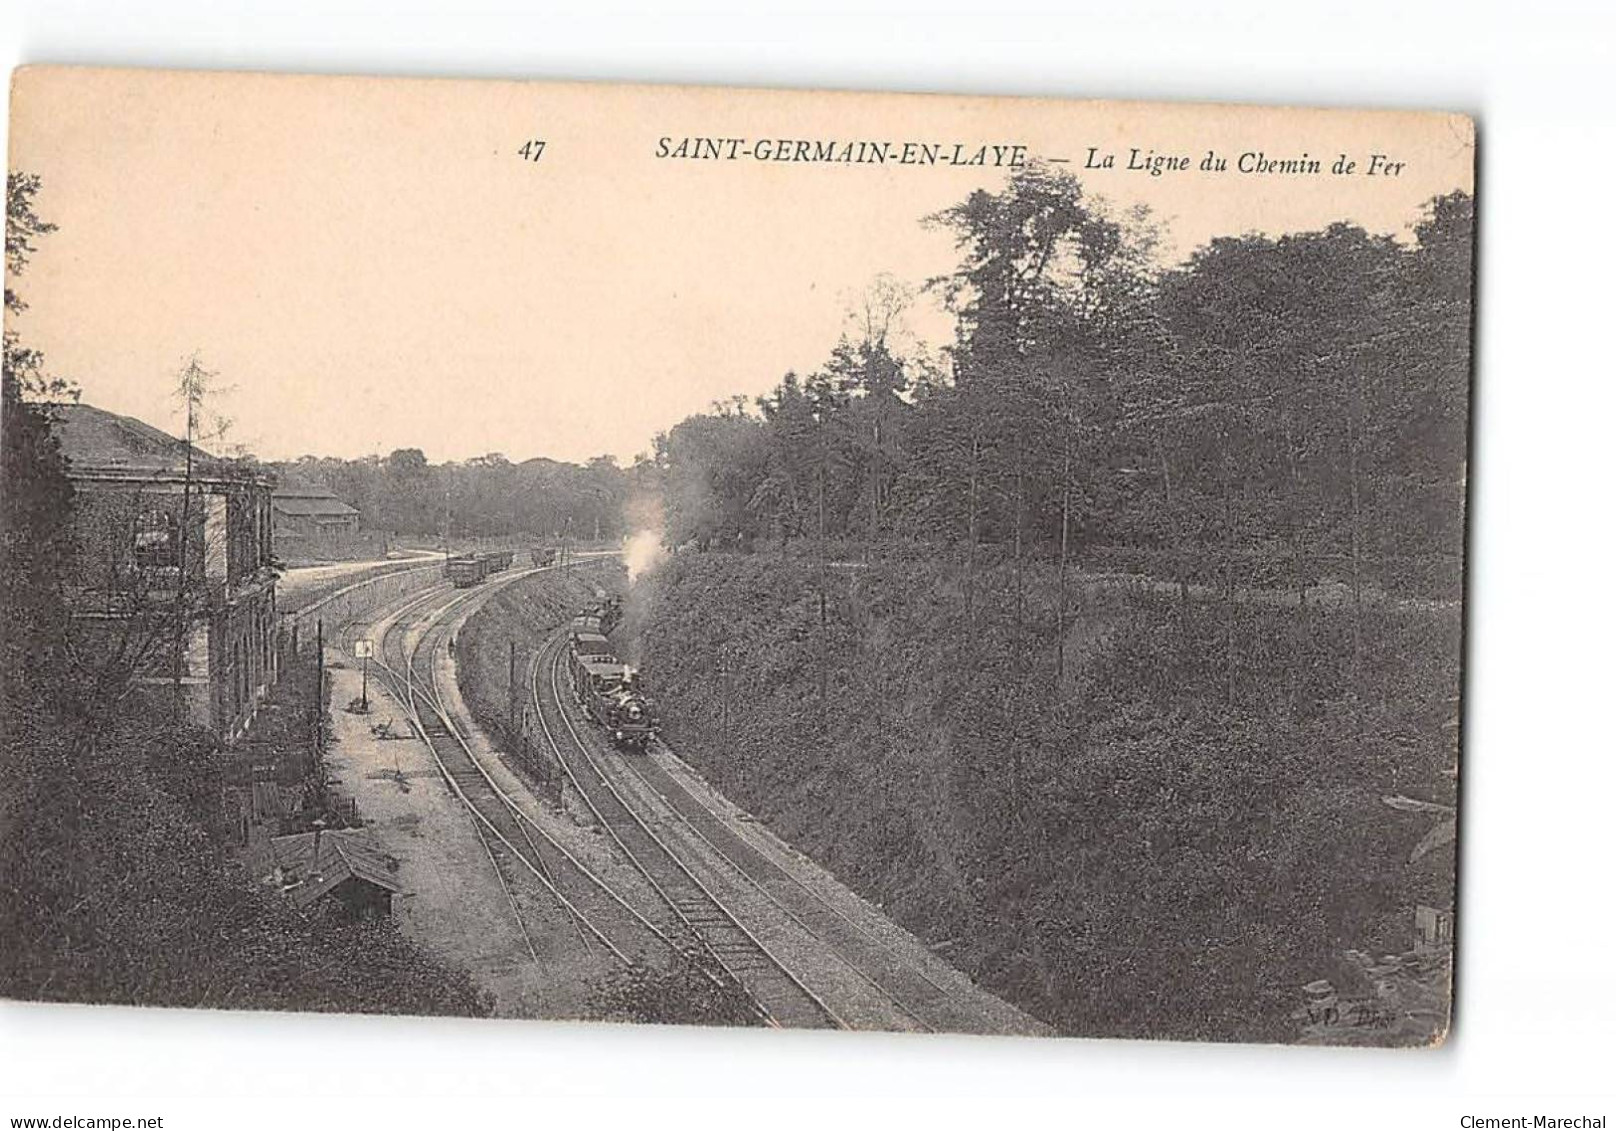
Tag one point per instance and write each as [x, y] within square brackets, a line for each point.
[531, 150]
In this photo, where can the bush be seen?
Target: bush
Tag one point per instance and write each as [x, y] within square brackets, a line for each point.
[683, 994]
[118, 890]
[1159, 842]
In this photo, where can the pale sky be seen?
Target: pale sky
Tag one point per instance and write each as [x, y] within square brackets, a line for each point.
[371, 265]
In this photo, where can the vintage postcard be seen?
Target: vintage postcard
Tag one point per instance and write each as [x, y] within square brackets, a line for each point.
[737, 557]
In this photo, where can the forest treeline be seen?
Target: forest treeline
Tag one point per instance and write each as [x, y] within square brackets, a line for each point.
[403, 493]
[1117, 652]
[1270, 412]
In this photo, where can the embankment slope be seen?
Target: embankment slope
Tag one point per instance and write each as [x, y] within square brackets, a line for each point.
[1168, 837]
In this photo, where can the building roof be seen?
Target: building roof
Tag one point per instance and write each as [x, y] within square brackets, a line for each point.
[95, 440]
[343, 855]
[309, 504]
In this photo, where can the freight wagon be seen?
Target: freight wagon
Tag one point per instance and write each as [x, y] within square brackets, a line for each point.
[466, 570]
[591, 645]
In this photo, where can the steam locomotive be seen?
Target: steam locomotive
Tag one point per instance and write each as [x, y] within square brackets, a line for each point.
[608, 690]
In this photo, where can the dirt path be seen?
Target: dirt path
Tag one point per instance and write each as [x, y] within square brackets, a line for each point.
[1320, 595]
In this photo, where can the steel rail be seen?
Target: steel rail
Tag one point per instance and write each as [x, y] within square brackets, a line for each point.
[821, 905]
[413, 689]
[443, 769]
[725, 913]
[404, 691]
[354, 627]
[524, 822]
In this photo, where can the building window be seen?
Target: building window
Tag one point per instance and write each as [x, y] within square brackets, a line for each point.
[157, 541]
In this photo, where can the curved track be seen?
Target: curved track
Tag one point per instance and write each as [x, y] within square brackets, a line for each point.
[924, 1001]
[692, 864]
[695, 910]
[930, 1003]
[516, 842]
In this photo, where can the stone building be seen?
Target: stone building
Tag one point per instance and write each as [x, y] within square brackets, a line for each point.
[313, 513]
[173, 571]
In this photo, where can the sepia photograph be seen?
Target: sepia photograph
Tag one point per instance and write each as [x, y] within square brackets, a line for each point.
[707, 556]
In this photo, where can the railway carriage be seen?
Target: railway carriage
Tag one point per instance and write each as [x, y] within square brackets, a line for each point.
[466, 570]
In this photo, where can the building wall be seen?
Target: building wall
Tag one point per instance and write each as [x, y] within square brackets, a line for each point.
[305, 538]
[127, 536]
[241, 659]
[129, 541]
[316, 526]
[251, 526]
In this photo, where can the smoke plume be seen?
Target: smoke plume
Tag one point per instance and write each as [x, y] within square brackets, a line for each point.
[642, 550]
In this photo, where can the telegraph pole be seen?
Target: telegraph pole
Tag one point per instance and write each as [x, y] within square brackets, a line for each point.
[446, 522]
[363, 649]
[319, 685]
[723, 678]
[510, 695]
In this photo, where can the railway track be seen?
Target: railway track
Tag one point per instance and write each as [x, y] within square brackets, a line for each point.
[507, 871]
[683, 914]
[518, 846]
[921, 997]
[499, 859]
[927, 1003]
[692, 908]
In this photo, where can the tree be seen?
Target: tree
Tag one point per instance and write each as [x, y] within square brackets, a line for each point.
[1262, 448]
[38, 498]
[1049, 297]
[113, 886]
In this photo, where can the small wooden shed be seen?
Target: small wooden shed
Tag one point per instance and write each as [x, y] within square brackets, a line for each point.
[338, 865]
